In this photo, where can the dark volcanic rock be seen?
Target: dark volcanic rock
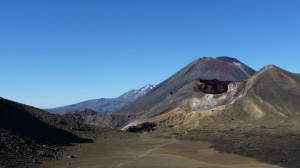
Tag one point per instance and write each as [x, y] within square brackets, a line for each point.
[212, 86]
[18, 150]
[29, 135]
[36, 124]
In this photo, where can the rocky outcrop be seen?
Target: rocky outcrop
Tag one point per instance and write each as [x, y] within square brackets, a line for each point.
[213, 86]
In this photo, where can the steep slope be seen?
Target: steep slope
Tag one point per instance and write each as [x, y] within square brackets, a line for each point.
[272, 94]
[104, 105]
[29, 134]
[221, 68]
[37, 124]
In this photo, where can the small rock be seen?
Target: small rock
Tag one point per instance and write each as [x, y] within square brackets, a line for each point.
[35, 161]
[71, 156]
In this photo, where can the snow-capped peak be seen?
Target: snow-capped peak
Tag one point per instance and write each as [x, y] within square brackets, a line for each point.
[145, 89]
[136, 93]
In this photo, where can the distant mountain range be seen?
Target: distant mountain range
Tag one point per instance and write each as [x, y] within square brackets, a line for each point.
[104, 105]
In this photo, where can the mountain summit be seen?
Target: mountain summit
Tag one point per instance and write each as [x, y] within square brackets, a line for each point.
[206, 68]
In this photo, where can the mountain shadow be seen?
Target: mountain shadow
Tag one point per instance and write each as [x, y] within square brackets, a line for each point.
[38, 125]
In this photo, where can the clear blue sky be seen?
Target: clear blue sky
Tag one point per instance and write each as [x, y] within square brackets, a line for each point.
[58, 52]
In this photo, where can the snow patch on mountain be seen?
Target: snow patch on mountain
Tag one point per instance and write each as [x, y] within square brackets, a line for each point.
[136, 93]
[239, 65]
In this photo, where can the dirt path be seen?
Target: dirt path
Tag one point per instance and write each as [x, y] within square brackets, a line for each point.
[146, 153]
[159, 153]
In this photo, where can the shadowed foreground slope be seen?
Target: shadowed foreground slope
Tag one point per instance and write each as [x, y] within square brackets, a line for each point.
[29, 134]
[36, 124]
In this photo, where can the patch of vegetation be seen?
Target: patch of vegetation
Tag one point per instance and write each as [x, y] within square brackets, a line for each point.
[143, 127]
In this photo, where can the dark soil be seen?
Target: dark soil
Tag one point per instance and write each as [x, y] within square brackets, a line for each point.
[19, 151]
[276, 148]
[30, 136]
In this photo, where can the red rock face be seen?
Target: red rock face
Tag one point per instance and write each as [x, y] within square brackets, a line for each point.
[221, 88]
[220, 65]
